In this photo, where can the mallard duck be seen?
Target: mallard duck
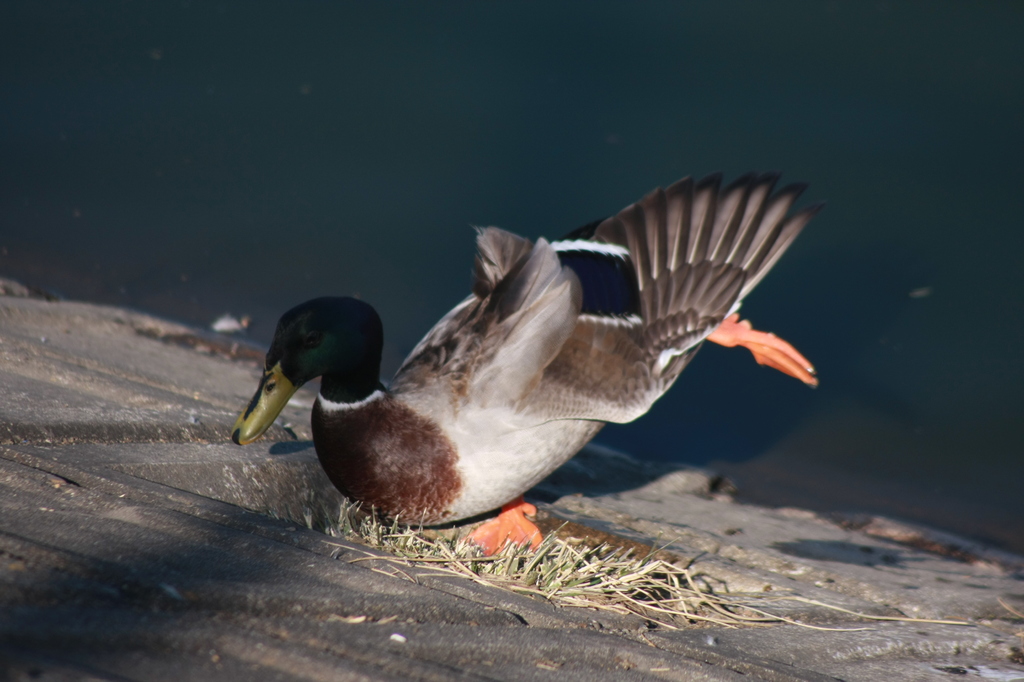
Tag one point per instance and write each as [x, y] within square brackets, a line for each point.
[556, 339]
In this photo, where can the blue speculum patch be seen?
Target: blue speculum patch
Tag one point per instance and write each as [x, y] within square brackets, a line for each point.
[609, 284]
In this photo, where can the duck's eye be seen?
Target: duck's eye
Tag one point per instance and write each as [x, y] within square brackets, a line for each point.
[313, 339]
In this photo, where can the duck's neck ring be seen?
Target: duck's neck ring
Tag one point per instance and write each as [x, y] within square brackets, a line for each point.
[350, 388]
[331, 406]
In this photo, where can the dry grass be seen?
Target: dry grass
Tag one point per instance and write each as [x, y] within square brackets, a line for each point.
[575, 574]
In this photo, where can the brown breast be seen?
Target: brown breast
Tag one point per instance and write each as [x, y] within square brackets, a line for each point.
[389, 457]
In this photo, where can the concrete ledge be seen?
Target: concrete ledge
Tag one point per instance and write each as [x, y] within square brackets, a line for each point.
[137, 543]
[75, 372]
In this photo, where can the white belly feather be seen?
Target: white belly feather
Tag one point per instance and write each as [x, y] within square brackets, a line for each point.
[502, 454]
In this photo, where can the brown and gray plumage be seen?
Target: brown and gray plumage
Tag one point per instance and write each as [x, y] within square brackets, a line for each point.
[556, 339]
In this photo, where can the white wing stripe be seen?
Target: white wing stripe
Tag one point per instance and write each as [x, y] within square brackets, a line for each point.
[613, 320]
[594, 247]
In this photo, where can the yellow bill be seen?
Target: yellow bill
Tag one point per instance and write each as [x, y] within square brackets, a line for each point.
[272, 395]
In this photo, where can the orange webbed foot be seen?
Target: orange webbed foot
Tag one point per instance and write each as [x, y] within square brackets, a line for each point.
[510, 526]
[767, 348]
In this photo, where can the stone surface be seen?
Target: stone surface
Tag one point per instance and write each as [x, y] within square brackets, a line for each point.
[280, 478]
[137, 544]
[886, 651]
[795, 549]
[75, 372]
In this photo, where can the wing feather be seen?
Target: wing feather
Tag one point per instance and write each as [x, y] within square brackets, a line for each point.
[492, 350]
[696, 249]
[521, 342]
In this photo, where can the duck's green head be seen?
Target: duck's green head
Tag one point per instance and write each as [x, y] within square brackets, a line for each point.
[339, 339]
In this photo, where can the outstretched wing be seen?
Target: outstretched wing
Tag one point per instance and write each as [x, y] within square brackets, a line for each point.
[670, 268]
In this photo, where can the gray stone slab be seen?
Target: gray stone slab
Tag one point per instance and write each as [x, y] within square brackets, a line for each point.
[87, 467]
[91, 580]
[532, 654]
[75, 372]
[799, 549]
[920, 651]
[286, 480]
[280, 478]
[765, 590]
[174, 647]
[131, 547]
[152, 512]
[147, 556]
[158, 646]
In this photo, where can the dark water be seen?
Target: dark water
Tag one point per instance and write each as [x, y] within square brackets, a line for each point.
[194, 158]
